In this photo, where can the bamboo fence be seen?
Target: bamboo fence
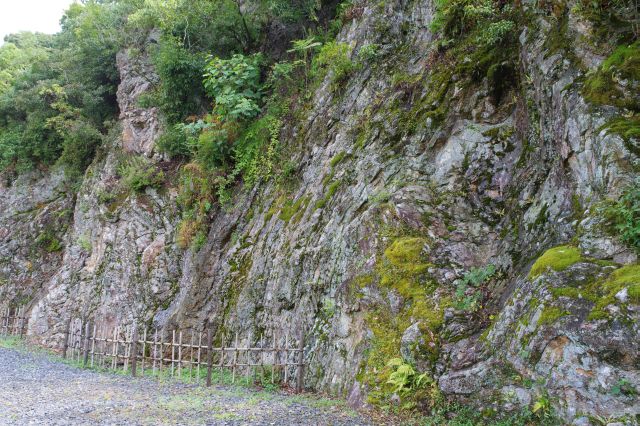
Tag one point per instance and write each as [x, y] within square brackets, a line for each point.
[197, 356]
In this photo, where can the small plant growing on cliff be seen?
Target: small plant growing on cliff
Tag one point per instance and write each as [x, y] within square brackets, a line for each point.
[623, 215]
[138, 173]
[334, 59]
[468, 296]
[404, 380]
[542, 407]
[84, 242]
[49, 242]
[624, 387]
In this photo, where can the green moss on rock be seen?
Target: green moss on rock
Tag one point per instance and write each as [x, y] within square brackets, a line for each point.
[557, 259]
[402, 270]
[626, 277]
[551, 314]
[601, 86]
[406, 254]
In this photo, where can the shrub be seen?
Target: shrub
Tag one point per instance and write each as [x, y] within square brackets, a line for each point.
[79, 145]
[333, 59]
[174, 142]
[234, 84]
[138, 173]
[180, 92]
[623, 215]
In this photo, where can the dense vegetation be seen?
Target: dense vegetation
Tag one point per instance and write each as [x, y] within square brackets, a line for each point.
[225, 87]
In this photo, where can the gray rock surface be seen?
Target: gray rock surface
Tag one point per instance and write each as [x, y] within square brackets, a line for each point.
[489, 185]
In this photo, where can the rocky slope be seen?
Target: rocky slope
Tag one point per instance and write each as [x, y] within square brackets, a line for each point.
[364, 247]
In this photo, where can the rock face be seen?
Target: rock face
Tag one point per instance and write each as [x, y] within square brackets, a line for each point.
[140, 126]
[487, 185]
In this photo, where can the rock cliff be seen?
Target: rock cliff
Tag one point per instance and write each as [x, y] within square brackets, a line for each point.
[410, 183]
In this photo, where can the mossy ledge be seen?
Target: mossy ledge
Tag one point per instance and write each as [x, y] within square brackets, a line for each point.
[558, 259]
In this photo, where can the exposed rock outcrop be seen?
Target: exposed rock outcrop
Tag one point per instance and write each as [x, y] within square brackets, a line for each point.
[387, 219]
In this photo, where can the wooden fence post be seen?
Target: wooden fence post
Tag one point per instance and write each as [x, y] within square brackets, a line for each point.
[134, 350]
[209, 355]
[66, 339]
[85, 357]
[5, 322]
[300, 377]
[22, 318]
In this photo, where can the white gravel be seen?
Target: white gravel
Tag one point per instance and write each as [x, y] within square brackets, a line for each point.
[37, 389]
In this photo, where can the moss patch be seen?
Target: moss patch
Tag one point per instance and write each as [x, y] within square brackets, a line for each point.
[293, 210]
[406, 254]
[401, 270]
[602, 293]
[551, 314]
[557, 258]
[333, 188]
[601, 86]
[626, 277]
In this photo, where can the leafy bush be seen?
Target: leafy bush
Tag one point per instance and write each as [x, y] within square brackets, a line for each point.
[175, 142]
[623, 215]
[488, 20]
[138, 173]
[333, 59]
[180, 92]
[234, 84]
[79, 146]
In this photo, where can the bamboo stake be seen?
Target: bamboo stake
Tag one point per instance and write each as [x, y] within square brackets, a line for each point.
[300, 371]
[93, 342]
[222, 350]
[161, 353]
[275, 355]
[173, 352]
[209, 355]
[235, 360]
[114, 348]
[66, 339]
[180, 356]
[286, 358]
[144, 348]
[191, 357]
[86, 344]
[126, 344]
[155, 350]
[22, 320]
[199, 353]
[133, 352]
[262, 356]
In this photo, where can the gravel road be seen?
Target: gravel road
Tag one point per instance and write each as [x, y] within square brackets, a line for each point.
[37, 389]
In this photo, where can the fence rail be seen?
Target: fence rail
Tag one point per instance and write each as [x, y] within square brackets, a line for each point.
[189, 354]
[275, 356]
[13, 321]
